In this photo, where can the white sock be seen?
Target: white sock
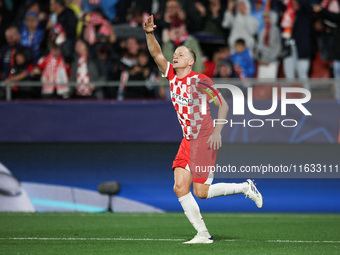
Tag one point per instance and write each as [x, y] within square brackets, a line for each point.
[192, 211]
[226, 189]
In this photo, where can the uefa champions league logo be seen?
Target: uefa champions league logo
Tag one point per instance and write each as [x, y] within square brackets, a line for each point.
[239, 105]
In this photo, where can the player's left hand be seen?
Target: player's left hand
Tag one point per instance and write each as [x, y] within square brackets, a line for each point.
[215, 141]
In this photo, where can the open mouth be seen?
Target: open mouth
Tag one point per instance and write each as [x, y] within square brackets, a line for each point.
[175, 61]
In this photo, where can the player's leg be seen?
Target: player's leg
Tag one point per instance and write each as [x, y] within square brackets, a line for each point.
[225, 189]
[201, 190]
[219, 189]
[182, 185]
[204, 189]
[202, 160]
[183, 181]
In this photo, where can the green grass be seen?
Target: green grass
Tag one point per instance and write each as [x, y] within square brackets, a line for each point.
[237, 233]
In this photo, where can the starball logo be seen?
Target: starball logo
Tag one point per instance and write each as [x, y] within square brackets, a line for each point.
[209, 93]
[239, 106]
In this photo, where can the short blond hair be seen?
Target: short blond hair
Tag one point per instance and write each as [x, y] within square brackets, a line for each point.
[192, 53]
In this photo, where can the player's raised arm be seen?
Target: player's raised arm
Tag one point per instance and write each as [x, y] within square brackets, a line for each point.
[153, 45]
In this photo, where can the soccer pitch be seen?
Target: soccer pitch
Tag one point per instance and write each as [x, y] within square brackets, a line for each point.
[142, 233]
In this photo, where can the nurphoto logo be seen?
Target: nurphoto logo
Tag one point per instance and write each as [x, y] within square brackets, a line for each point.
[238, 103]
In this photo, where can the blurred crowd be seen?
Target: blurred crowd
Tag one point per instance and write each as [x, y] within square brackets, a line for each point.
[92, 41]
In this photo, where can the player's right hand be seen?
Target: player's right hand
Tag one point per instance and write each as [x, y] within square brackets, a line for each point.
[149, 26]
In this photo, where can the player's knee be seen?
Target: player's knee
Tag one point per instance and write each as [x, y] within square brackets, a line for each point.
[201, 194]
[180, 190]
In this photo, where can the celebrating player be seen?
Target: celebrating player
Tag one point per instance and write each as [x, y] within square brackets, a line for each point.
[198, 150]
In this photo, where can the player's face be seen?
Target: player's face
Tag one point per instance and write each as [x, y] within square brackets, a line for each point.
[181, 58]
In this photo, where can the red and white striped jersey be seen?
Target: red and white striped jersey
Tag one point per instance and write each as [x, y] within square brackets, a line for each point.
[83, 88]
[186, 96]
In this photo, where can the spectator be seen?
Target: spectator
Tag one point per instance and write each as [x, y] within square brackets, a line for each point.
[137, 16]
[183, 9]
[269, 47]
[89, 5]
[243, 63]
[210, 66]
[142, 71]
[107, 6]
[84, 71]
[142, 6]
[97, 28]
[242, 25]
[128, 62]
[32, 35]
[8, 12]
[54, 74]
[23, 7]
[325, 38]
[258, 7]
[75, 6]
[7, 56]
[192, 18]
[327, 28]
[21, 72]
[212, 12]
[107, 60]
[225, 69]
[180, 36]
[64, 24]
[287, 18]
[301, 43]
[334, 17]
[173, 11]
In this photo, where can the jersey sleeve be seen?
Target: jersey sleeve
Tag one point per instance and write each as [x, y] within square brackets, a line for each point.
[207, 87]
[170, 72]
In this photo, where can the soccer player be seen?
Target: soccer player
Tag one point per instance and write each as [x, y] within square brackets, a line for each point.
[198, 149]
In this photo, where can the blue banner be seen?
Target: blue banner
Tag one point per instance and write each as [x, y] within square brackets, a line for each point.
[156, 121]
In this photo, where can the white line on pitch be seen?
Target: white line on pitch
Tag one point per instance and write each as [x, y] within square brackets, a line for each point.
[88, 239]
[170, 215]
[157, 239]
